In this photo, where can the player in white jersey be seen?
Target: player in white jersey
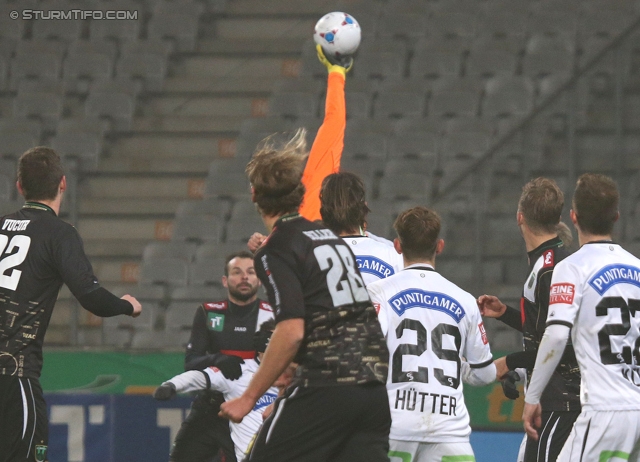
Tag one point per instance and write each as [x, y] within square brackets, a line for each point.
[430, 325]
[344, 210]
[595, 297]
[212, 378]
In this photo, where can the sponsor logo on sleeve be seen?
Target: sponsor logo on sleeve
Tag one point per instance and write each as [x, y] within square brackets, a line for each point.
[483, 333]
[611, 275]
[561, 293]
[377, 307]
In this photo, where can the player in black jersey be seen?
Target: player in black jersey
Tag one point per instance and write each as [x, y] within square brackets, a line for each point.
[545, 237]
[337, 408]
[38, 253]
[222, 336]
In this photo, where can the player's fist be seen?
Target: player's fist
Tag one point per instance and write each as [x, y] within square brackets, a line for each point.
[137, 307]
[255, 241]
[165, 391]
[509, 387]
[532, 418]
[491, 306]
[501, 368]
[235, 409]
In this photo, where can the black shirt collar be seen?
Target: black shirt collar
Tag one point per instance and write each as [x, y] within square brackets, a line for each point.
[420, 266]
[553, 243]
[38, 206]
[286, 218]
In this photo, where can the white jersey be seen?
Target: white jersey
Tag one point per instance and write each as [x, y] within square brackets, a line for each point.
[596, 292]
[376, 260]
[430, 324]
[241, 433]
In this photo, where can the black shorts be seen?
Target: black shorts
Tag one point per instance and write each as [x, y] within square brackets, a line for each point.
[348, 423]
[24, 428]
[203, 436]
[554, 431]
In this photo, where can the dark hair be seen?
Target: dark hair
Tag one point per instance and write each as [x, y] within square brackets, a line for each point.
[39, 173]
[541, 204]
[418, 229]
[595, 203]
[239, 254]
[343, 204]
[276, 175]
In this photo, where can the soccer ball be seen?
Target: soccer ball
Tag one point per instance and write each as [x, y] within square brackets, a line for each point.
[338, 34]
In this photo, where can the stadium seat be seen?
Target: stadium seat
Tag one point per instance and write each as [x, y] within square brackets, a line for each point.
[11, 125]
[151, 69]
[120, 31]
[553, 23]
[116, 107]
[540, 62]
[145, 321]
[362, 167]
[26, 48]
[4, 73]
[198, 228]
[604, 23]
[293, 104]
[170, 249]
[197, 294]
[14, 144]
[94, 47]
[453, 24]
[508, 96]
[81, 68]
[206, 272]
[206, 207]
[179, 316]
[403, 25]
[423, 146]
[419, 124]
[436, 59]
[245, 220]
[57, 30]
[503, 236]
[167, 271]
[180, 28]
[9, 28]
[365, 145]
[486, 63]
[83, 125]
[46, 107]
[219, 250]
[86, 147]
[40, 65]
[454, 98]
[227, 185]
[406, 185]
[6, 185]
[154, 340]
[264, 125]
[503, 26]
[401, 99]
[192, 8]
[381, 59]
[143, 292]
[470, 124]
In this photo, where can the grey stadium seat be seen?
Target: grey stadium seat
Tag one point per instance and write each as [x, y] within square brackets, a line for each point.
[14, 144]
[198, 228]
[454, 98]
[294, 104]
[402, 24]
[485, 63]
[150, 68]
[46, 107]
[414, 145]
[210, 207]
[167, 271]
[120, 31]
[206, 272]
[402, 99]
[59, 30]
[33, 66]
[230, 184]
[170, 249]
[114, 106]
[21, 125]
[197, 294]
[508, 96]
[181, 28]
[383, 59]
[453, 24]
[245, 220]
[180, 315]
[86, 66]
[87, 147]
[365, 145]
[435, 59]
[406, 185]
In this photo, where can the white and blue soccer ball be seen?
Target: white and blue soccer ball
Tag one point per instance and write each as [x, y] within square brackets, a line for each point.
[338, 33]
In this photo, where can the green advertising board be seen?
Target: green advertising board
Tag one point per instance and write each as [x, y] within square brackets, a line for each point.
[140, 373]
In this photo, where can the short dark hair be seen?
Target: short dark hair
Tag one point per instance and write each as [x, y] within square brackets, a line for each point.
[418, 229]
[595, 203]
[541, 204]
[343, 205]
[275, 174]
[39, 173]
[239, 254]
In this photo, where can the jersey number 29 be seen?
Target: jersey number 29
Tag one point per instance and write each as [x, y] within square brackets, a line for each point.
[22, 243]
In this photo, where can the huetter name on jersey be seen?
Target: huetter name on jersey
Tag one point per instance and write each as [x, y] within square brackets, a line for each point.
[615, 274]
[375, 266]
[414, 298]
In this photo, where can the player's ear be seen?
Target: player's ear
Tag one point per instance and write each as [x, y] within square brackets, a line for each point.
[253, 194]
[519, 218]
[63, 184]
[574, 217]
[224, 282]
[397, 245]
[617, 216]
[439, 246]
[19, 188]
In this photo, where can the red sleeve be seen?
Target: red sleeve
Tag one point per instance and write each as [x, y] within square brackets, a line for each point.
[326, 151]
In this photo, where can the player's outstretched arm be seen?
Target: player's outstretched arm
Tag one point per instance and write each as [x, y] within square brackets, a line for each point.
[490, 306]
[283, 346]
[183, 383]
[103, 303]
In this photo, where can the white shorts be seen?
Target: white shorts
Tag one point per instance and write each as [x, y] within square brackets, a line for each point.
[604, 436]
[414, 451]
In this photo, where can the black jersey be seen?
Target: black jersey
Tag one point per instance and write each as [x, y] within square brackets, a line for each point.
[223, 327]
[563, 391]
[38, 253]
[311, 273]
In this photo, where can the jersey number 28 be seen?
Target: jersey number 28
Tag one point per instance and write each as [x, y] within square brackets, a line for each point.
[343, 281]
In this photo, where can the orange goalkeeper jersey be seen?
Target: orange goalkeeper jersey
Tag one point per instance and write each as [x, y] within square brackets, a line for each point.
[326, 151]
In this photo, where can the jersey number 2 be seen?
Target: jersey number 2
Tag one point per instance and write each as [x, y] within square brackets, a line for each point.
[344, 283]
[627, 309]
[22, 243]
